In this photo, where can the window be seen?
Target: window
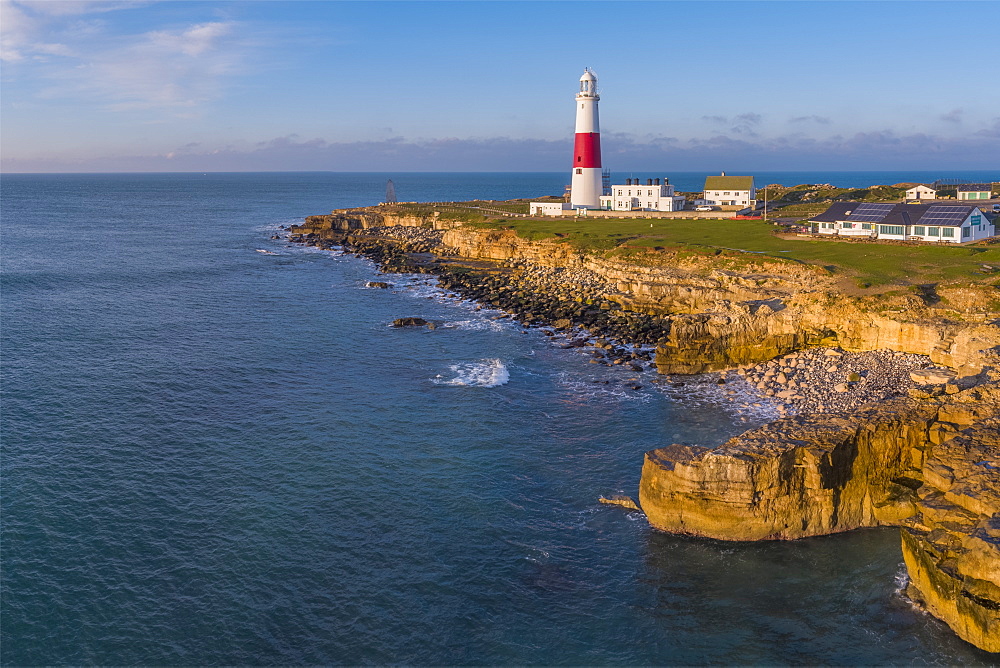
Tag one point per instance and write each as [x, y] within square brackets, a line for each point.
[890, 229]
[866, 226]
[966, 232]
[727, 192]
[947, 231]
[619, 193]
[579, 171]
[933, 231]
[919, 229]
[650, 193]
[847, 226]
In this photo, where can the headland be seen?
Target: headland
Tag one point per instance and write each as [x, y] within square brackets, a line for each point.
[882, 365]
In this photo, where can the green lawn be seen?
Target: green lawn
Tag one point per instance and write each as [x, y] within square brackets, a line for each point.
[867, 263]
[800, 211]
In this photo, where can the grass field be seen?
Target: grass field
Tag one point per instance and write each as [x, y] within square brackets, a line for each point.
[867, 263]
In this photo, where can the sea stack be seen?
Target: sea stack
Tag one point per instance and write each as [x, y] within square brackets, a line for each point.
[586, 186]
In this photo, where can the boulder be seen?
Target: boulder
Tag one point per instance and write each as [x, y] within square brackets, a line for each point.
[409, 322]
[932, 376]
[378, 284]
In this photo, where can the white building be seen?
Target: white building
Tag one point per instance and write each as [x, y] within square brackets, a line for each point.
[547, 208]
[653, 196]
[974, 191]
[729, 191]
[921, 192]
[947, 223]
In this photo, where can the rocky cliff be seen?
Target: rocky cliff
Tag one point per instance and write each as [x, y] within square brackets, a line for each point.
[931, 467]
[719, 313]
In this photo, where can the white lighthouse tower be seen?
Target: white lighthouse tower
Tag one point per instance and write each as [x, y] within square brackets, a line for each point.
[586, 188]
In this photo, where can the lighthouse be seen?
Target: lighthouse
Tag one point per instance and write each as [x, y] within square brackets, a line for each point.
[586, 188]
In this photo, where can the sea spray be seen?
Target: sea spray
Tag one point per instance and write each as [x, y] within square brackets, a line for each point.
[490, 372]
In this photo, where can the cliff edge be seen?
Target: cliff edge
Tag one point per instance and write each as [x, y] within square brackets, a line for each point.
[931, 467]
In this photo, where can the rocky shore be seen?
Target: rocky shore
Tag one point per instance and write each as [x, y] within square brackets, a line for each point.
[891, 408]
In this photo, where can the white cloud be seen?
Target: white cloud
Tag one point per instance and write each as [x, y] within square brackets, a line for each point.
[23, 23]
[180, 68]
[194, 41]
[16, 30]
[77, 56]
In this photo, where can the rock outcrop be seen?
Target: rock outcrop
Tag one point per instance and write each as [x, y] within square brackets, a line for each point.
[720, 312]
[931, 467]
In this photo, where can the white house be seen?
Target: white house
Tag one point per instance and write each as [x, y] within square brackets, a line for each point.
[921, 192]
[948, 223]
[547, 208]
[633, 196]
[974, 191]
[729, 191]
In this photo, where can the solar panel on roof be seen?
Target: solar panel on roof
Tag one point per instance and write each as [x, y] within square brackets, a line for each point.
[871, 213]
[944, 215]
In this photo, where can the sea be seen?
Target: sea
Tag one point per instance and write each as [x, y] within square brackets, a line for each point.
[215, 455]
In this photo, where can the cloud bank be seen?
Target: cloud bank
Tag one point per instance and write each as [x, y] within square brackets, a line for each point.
[875, 150]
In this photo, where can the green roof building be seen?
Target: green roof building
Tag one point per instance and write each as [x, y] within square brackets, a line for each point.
[729, 191]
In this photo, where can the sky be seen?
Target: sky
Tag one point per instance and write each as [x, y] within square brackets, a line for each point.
[181, 85]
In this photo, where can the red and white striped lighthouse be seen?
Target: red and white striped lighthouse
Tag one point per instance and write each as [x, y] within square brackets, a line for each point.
[586, 188]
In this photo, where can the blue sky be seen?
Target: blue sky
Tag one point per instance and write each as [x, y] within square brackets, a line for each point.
[488, 86]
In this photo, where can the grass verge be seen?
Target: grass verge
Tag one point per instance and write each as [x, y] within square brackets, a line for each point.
[870, 264]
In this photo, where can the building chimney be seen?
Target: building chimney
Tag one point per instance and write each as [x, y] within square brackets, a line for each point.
[666, 181]
[657, 180]
[649, 182]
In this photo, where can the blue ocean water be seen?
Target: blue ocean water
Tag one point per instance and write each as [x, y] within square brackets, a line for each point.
[212, 455]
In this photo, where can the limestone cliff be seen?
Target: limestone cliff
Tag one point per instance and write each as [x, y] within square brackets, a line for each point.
[719, 313]
[930, 467]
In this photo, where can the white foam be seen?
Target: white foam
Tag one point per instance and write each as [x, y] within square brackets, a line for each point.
[490, 372]
[477, 325]
[901, 579]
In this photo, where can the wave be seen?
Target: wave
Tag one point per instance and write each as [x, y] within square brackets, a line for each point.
[477, 325]
[489, 372]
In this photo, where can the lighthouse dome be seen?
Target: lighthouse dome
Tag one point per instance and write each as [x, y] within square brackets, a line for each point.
[588, 85]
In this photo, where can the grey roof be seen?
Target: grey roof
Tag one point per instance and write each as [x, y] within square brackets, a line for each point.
[899, 214]
[974, 188]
